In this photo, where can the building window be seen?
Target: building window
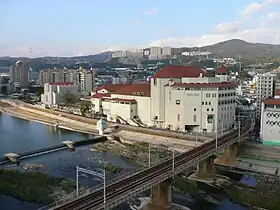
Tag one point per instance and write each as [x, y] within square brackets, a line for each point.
[206, 103]
[207, 109]
[202, 103]
[194, 109]
[155, 81]
[210, 118]
[214, 95]
[212, 109]
[178, 102]
[179, 117]
[194, 118]
[207, 95]
[209, 102]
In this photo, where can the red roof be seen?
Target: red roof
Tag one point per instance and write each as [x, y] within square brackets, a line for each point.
[101, 95]
[139, 89]
[272, 101]
[176, 71]
[222, 70]
[122, 100]
[277, 92]
[62, 83]
[110, 87]
[214, 85]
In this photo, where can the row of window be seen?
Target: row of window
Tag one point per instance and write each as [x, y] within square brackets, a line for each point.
[178, 102]
[232, 101]
[214, 95]
[272, 123]
[276, 115]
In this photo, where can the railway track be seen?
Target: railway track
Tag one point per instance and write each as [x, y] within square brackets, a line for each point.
[120, 188]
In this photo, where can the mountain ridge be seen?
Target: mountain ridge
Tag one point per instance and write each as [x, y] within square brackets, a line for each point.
[228, 48]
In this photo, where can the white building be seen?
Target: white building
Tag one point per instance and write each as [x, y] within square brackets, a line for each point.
[270, 122]
[178, 98]
[53, 92]
[265, 89]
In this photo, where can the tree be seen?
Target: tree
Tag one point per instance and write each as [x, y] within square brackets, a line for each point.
[69, 98]
[85, 107]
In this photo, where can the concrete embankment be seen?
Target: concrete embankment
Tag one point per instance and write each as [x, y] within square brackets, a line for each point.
[41, 116]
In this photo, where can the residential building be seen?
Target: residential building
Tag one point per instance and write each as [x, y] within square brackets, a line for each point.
[83, 77]
[270, 121]
[53, 92]
[119, 80]
[265, 89]
[181, 98]
[19, 75]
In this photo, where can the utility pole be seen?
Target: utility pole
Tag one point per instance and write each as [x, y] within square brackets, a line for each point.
[94, 173]
[239, 128]
[173, 161]
[216, 139]
[104, 188]
[77, 181]
[149, 155]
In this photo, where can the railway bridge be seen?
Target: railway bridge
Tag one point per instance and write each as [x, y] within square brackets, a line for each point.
[158, 178]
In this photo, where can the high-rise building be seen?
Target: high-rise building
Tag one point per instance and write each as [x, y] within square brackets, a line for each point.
[84, 78]
[19, 75]
[265, 89]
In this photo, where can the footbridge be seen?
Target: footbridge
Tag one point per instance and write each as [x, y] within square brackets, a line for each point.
[158, 178]
[15, 158]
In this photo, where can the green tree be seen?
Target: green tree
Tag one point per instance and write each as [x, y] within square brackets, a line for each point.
[39, 91]
[69, 98]
[85, 107]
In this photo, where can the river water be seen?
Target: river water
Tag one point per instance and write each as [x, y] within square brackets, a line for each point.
[17, 135]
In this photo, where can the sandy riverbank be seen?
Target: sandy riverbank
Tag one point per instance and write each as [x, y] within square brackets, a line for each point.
[42, 118]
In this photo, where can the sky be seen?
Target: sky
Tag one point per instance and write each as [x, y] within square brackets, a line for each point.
[80, 27]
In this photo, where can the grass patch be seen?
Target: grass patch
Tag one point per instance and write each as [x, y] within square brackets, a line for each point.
[113, 169]
[32, 186]
[184, 185]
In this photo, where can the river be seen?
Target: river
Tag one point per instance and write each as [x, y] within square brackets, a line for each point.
[17, 135]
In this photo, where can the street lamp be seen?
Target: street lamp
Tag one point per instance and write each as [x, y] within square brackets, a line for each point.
[94, 173]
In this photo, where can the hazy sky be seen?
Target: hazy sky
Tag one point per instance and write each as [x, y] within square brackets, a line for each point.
[73, 27]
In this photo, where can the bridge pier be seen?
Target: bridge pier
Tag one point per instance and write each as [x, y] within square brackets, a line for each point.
[70, 145]
[205, 170]
[13, 157]
[161, 196]
[229, 155]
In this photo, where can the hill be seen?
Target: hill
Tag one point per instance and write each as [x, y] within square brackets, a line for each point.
[237, 47]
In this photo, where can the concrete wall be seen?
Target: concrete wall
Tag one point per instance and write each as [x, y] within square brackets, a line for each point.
[143, 106]
[270, 125]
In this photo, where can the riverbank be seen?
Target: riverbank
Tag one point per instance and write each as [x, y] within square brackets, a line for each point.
[137, 152]
[34, 187]
[19, 112]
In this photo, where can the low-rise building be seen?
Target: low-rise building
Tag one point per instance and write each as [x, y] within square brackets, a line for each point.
[178, 97]
[54, 92]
